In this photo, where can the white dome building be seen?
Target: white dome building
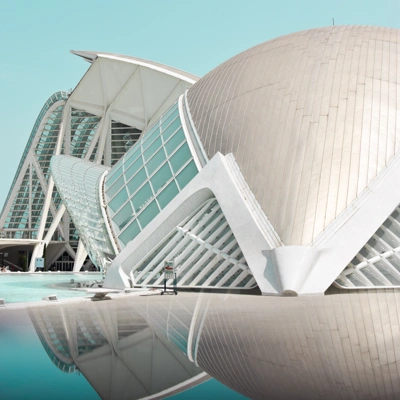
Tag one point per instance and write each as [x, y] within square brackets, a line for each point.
[273, 170]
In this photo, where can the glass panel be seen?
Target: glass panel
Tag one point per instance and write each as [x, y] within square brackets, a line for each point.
[156, 161]
[152, 149]
[148, 214]
[149, 137]
[168, 119]
[140, 199]
[167, 194]
[118, 200]
[124, 215]
[136, 181]
[187, 175]
[172, 111]
[180, 157]
[116, 187]
[171, 129]
[161, 177]
[129, 233]
[133, 168]
[132, 155]
[111, 177]
[174, 142]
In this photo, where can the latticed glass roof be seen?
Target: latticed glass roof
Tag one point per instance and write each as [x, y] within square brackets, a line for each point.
[44, 148]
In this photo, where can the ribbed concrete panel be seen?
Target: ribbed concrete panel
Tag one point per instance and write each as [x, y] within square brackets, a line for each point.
[310, 117]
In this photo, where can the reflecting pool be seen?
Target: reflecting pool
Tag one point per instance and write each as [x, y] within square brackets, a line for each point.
[143, 345]
[92, 350]
[28, 287]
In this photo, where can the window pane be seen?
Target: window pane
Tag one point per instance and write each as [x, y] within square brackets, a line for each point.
[115, 188]
[187, 175]
[173, 111]
[180, 157]
[133, 168]
[136, 181]
[174, 142]
[141, 197]
[156, 161]
[118, 200]
[129, 233]
[131, 156]
[148, 214]
[149, 137]
[124, 215]
[111, 177]
[171, 129]
[167, 194]
[161, 177]
[152, 149]
[166, 120]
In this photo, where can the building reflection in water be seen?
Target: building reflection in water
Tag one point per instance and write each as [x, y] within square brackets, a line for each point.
[116, 348]
[344, 346]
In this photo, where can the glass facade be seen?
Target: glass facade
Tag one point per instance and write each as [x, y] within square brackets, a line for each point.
[123, 137]
[25, 213]
[51, 125]
[78, 182]
[148, 177]
[83, 128]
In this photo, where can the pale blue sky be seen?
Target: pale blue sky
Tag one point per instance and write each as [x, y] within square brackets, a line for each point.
[195, 36]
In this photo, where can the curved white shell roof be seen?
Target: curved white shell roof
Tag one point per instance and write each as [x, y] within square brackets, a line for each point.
[130, 90]
[311, 119]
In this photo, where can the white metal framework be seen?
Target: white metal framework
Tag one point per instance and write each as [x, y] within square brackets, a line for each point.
[78, 182]
[99, 121]
[377, 264]
[205, 252]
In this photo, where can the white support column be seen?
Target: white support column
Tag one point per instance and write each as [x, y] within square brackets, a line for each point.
[37, 252]
[55, 223]
[63, 127]
[103, 131]
[80, 256]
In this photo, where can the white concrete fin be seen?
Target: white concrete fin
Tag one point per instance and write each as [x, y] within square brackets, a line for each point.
[88, 95]
[114, 76]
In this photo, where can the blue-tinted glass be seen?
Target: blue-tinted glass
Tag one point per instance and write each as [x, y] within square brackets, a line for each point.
[187, 175]
[132, 154]
[111, 177]
[172, 110]
[150, 136]
[124, 215]
[118, 200]
[174, 142]
[171, 129]
[133, 168]
[148, 214]
[134, 184]
[181, 156]
[152, 149]
[115, 187]
[129, 233]
[161, 177]
[167, 194]
[166, 121]
[156, 161]
[142, 197]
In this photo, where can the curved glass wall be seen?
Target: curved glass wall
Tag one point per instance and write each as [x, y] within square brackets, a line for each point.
[78, 182]
[49, 103]
[149, 176]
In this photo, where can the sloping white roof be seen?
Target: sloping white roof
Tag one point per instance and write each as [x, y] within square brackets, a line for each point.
[133, 91]
[312, 118]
